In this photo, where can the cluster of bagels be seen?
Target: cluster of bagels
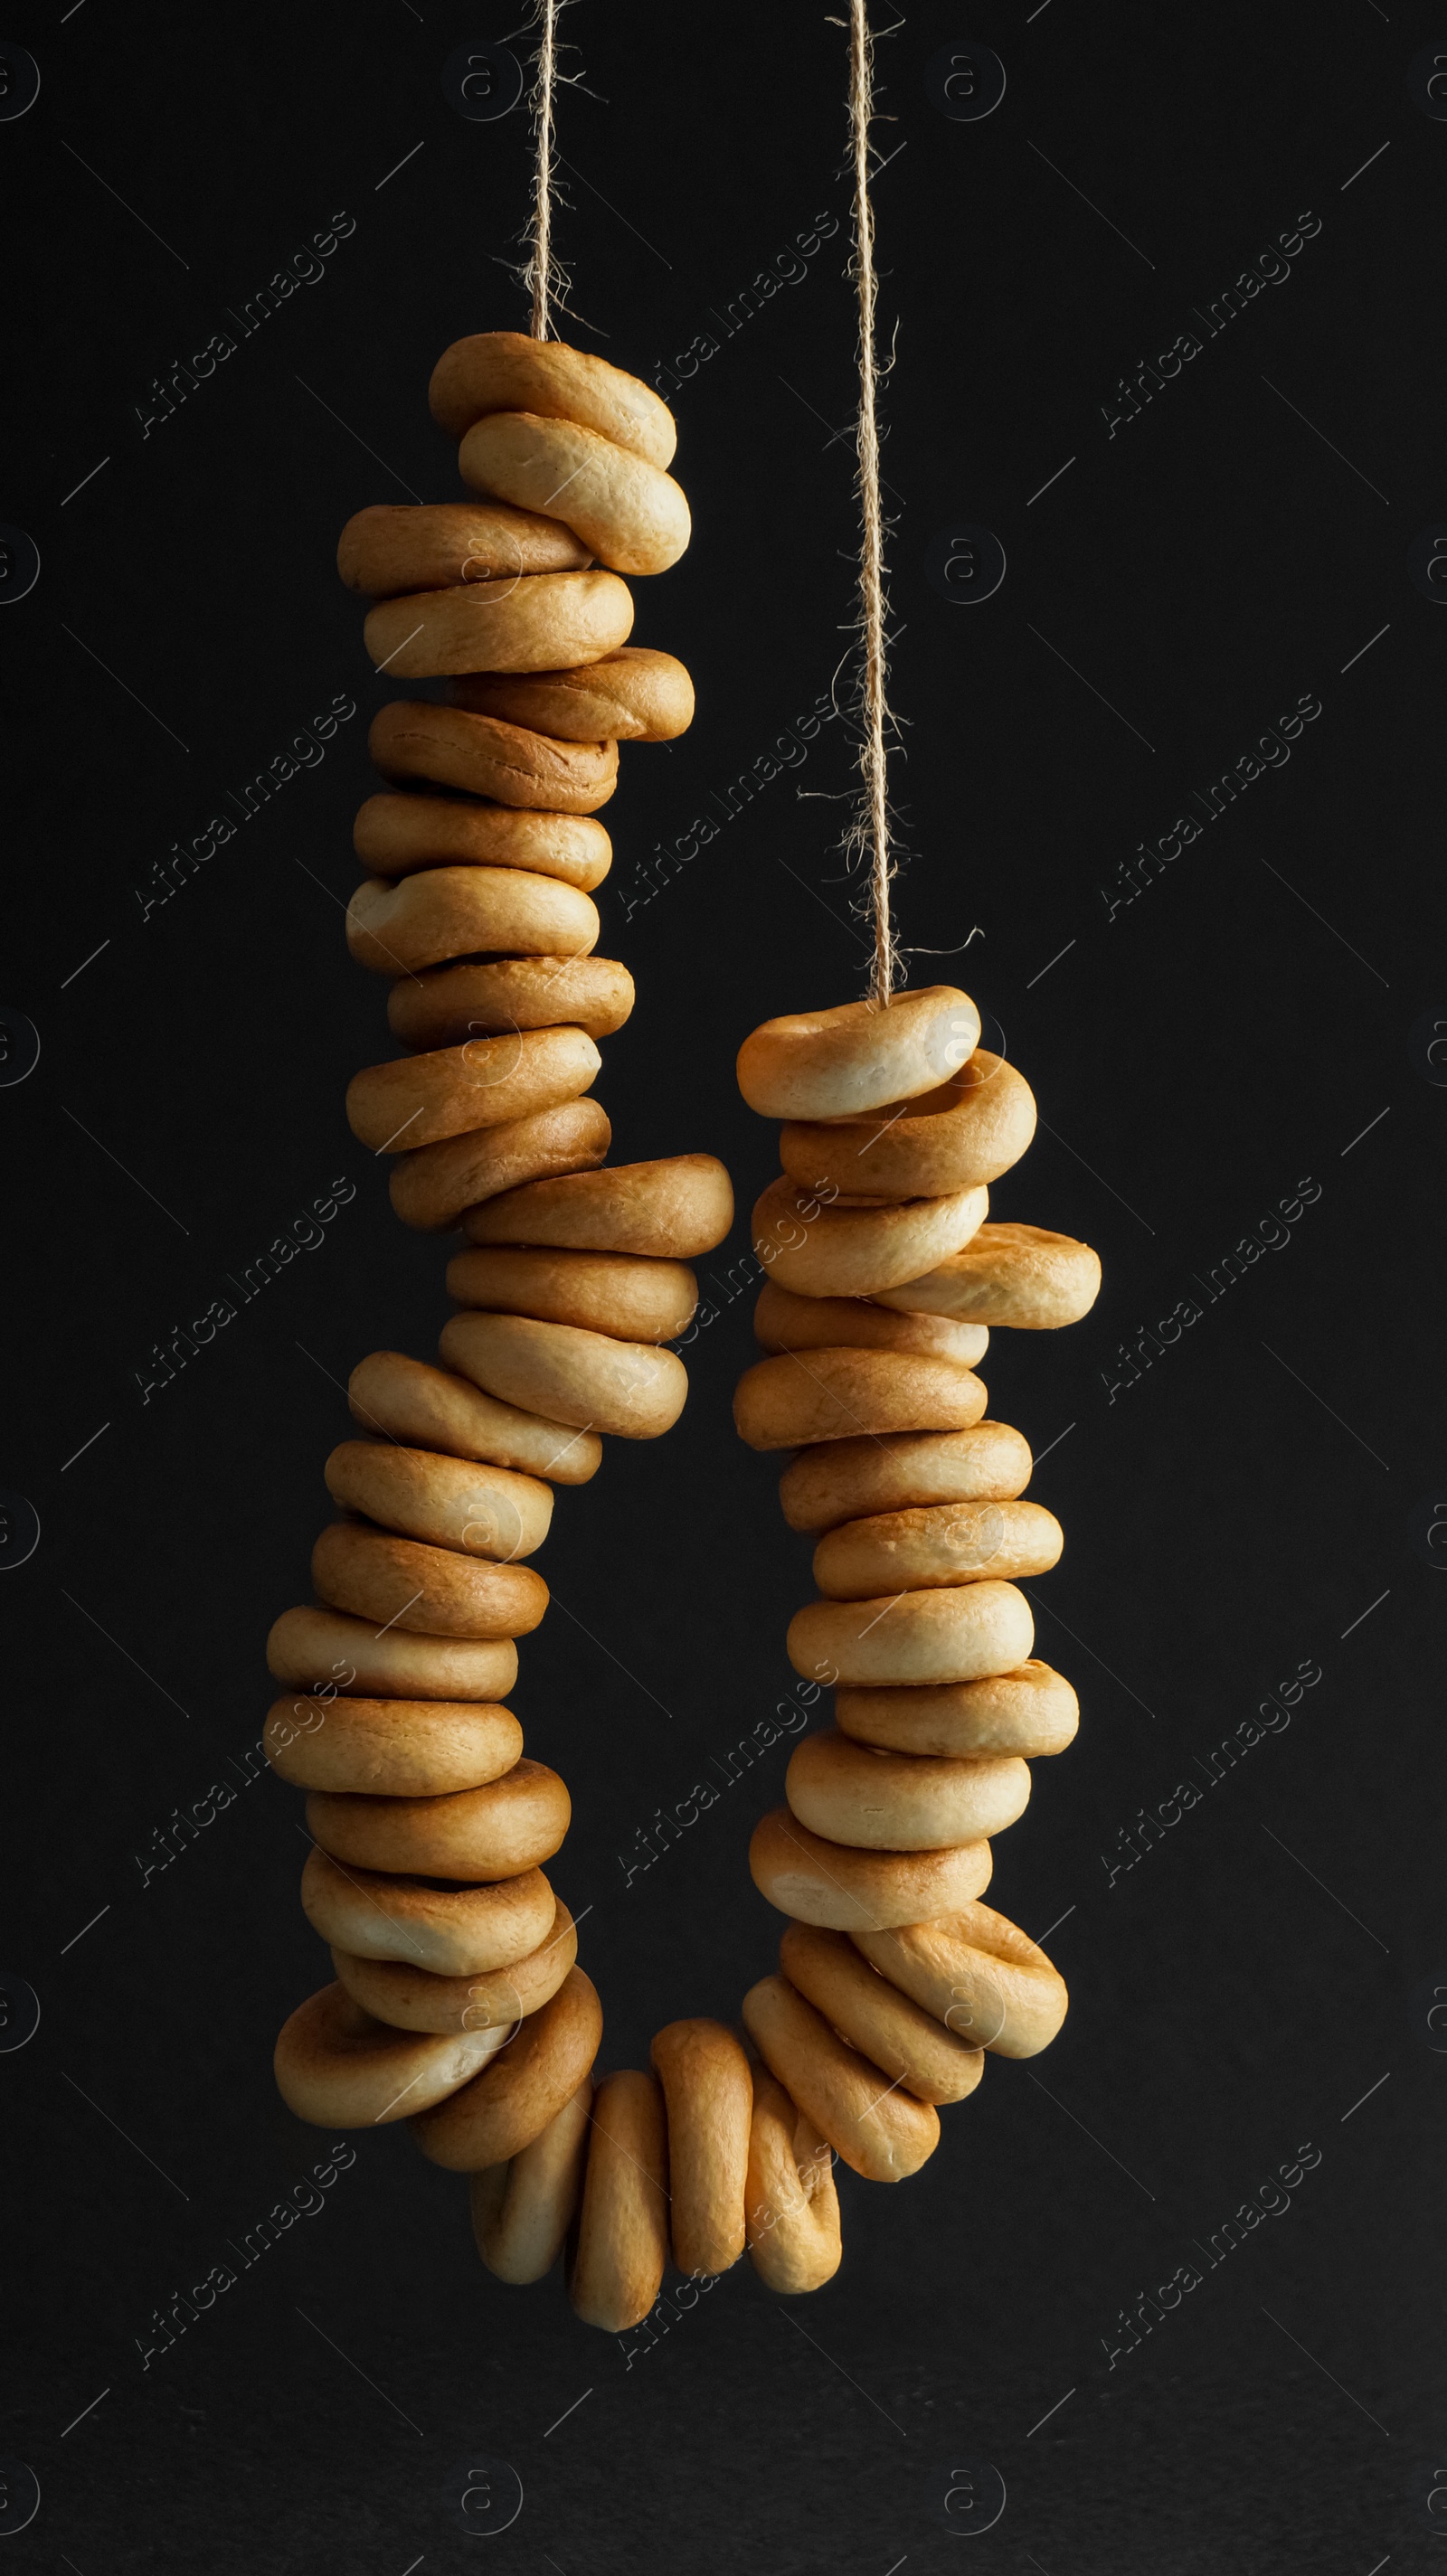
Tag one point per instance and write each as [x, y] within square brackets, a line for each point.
[457, 2002]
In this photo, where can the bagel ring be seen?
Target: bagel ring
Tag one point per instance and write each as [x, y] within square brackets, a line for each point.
[428, 1408]
[396, 833]
[884, 2133]
[632, 1389]
[509, 371]
[499, 1831]
[821, 1251]
[628, 693]
[885, 2026]
[786, 1322]
[621, 2247]
[433, 1186]
[839, 1063]
[426, 1099]
[320, 1650]
[792, 2207]
[395, 1748]
[972, 1128]
[846, 1890]
[401, 926]
[451, 1932]
[850, 1793]
[709, 2098]
[620, 1293]
[434, 545]
[978, 1974]
[449, 1502]
[629, 513]
[674, 1208]
[1009, 1274]
[402, 1583]
[528, 622]
[484, 996]
[1031, 1711]
[909, 1470]
[413, 738]
[522, 2210]
[956, 1634]
[412, 1998]
[338, 2068]
[539, 2069]
[943, 1543]
[806, 1396]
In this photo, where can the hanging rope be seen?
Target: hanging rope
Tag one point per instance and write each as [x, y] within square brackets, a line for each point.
[870, 831]
[542, 273]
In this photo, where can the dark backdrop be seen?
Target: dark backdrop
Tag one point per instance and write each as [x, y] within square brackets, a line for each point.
[1249, 1498]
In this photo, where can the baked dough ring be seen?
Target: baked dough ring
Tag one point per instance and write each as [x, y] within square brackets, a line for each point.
[508, 371]
[836, 1064]
[792, 2210]
[784, 1322]
[522, 2210]
[622, 2245]
[532, 623]
[709, 2097]
[905, 2043]
[849, 1793]
[1009, 1274]
[956, 1634]
[473, 1000]
[396, 833]
[979, 1975]
[339, 2069]
[943, 1543]
[972, 1128]
[396, 926]
[621, 1293]
[393, 1748]
[431, 1409]
[431, 1187]
[990, 1462]
[451, 1932]
[403, 1584]
[412, 1998]
[630, 514]
[529, 2080]
[433, 545]
[1032, 1711]
[674, 1208]
[424, 1099]
[627, 694]
[512, 1825]
[412, 738]
[840, 1395]
[858, 1251]
[630, 1388]
[816, 1881]
[450, 1502]
[320, 1650]
[883, 2133]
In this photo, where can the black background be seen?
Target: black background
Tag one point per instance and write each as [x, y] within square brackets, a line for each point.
[1244, 1504]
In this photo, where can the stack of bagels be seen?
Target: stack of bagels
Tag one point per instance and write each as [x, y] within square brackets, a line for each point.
[457, 2002]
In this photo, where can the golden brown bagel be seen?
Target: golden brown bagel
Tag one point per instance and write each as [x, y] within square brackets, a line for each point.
[710, 2100]
[538, 622]
[816, 1395]
[522, 2210]
[449, 1931]
[422, 1099]
[630, 514]
[1031, 1711]
[412, 738]
[539, 2070]
[986, 1463]
[784, 1322]
[390, 548]
[942, 1543]
[395, 833]
[905, 2043]
[838, 1063]
[399, 1582]
[956, 1634]
[822, 1251]
[850, 1890]
[978, 1975]
[396, 1748]
[512, 1825]
[509, 371]
[450, 1502]
[399, 927]
[884, 2133]
[850, 1793]
[1010, 1274]
[972, 1128]
[792, 2205]
[431, 1187]
[620, 1293]
[429, 1408]
[630, 1388]
[625, 694]
[412, 1998]
[320, 1650]
[622, 2243]
[482, 996]
[675, 1209]
[338, 2068]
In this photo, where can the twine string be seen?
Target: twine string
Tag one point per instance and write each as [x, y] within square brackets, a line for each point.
[541, 271]
[870, 832]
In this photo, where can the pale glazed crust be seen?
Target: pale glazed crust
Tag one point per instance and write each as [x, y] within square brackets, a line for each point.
[424, 1099]
[511, 1826]
[451, 1932]
[431, 546]
[838, 1063]
[319, 1650]
[987, 1463]
[1010, 1274]
[848, 1793]
[401, 926]
[710, 2100]
[400, 1581]
[396, 1748]
[493, 994]
[956, 1634]
[942, 1543]
[535, 623]
[406, 1400]
[627, 693]
[509, 371]
[972, 1128]
[431, 1188]
[785, 1322]
[629, 1388]
[883, 2132]
[412, 1998]
[621, 1293]
[522, 2210]
[1031, 1711]
[630, 514]
[841, 1395]
[618, 2259]
[675, 1208]
[817, 1881]
[530, 2079]
[412, 738]
[976, 1973]
[395, 833]
[449, 1502]
[792, 2209]
[905, 2043]
[338, 2068]
[823, 1251]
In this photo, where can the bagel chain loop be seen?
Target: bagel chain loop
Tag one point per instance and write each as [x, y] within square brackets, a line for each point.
[872, 829]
